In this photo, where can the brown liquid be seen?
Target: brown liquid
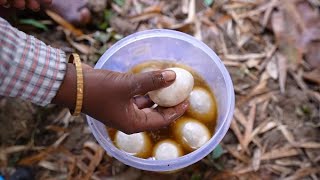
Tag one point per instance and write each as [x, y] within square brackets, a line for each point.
[165, 133]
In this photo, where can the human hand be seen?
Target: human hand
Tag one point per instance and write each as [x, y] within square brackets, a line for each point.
[22, 4]
[118, 99]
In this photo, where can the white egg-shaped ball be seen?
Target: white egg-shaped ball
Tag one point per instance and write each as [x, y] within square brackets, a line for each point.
[177, 92]
[167, 149]
[192, 134]
[138, 144]
[202, 105]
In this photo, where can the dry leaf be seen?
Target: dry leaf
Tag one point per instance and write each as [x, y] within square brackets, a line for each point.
[233, 151]
[267, 127]
[263, 128]
[31, 160]
[280, 169]
[310, 145]
[60, 140]
[249, 126]
[279, 153]
[240, 117]
[287, 37]
[252, 63]
[272, 69]
[315, 95]
[287, 134]
[57, 18]
[302, 172]
[261, 98]
[311, 35]
[244, 57]
[288, 162]
[272, 4]
[84, 49]
[91, 157]
[256, 159]
[147, 13]
[52, 166]
[259, 89]
[313, 76]
[282, 69]
[234, 127]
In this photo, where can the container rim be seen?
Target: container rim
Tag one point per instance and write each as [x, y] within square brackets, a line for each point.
[186, 160]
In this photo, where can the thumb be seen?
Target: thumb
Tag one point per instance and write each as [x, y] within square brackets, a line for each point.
[149, 81]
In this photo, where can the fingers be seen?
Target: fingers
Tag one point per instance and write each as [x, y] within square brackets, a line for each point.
[19, 4]
[149, 81]
[143, 101]
[152, 119]
[45, 2]
[3, 2]
[33, 5]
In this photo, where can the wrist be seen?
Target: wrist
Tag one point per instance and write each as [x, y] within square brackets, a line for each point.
[66, 95]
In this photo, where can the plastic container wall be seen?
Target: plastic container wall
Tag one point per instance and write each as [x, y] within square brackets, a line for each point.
[180, 48]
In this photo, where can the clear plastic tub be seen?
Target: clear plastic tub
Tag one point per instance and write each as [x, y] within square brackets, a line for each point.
[180, 48]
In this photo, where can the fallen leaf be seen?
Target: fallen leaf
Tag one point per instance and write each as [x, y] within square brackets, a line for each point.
[263, 128]
[34, 23]
[90, 158]
[302, 172]
[287, 134]
[147, 13]
[279, 169]
[282, 69]
[31, 160]
[313, 76]
[235, 128]
[272, 69]
[279, 153]
[288, 162]
[249, 126]
[84, 49]
[65, 24]
[310, 36]
[258, 89]
[244, 57]
[308, 145]
[287, 36]
[240, 117]
[256, 159]
[313, 54]
[235, 153]
[252, 63]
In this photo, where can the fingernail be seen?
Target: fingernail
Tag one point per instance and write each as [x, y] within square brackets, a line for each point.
[168, 76]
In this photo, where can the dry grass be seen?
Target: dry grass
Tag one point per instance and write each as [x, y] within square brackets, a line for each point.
[271, 51]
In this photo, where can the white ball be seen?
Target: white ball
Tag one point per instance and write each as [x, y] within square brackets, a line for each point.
[167, 149]
[176, 92]
[202, 105]
[191, 133]
[138, 144]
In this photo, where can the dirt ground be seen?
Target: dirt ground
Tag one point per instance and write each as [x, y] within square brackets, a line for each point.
[270, 48]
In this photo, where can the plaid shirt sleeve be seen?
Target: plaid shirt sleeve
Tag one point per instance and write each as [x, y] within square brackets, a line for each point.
[29, 69]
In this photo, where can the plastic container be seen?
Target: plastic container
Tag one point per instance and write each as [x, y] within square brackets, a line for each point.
[181, 48]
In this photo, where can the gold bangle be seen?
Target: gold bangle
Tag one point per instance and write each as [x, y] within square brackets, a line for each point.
[75, 59]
